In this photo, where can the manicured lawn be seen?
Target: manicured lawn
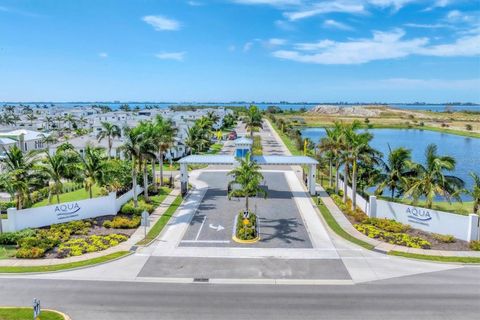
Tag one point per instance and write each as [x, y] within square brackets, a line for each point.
[158, 227]
[27, 314]
[257, 146]
[80, 194]
[163, 192]
[215, 148]
[435, 258]
[288, 142]
[64, 266]
[7, 251]
[332, 223]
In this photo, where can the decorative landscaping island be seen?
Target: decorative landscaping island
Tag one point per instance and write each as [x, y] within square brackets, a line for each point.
[246, 228]
[12, 313]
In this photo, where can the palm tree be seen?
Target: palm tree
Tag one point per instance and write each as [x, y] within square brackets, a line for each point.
[163, 136]
[109, 131]
[70, 119]
[213, 117]
[357, 149]
[48, 121]
[475, 192]
[93, 167]
[125, 107]
[196, 139]
[248, 176]
[31, 117]
[430, 180]
[253, 120]
[132, 147]
[147, 152]
[56, 167]
[333, 144]
[19, 171]
[397, 169]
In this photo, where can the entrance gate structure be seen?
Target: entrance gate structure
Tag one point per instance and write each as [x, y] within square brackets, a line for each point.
[243, 146]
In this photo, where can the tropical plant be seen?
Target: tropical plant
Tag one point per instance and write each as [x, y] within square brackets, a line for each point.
[54, 167]
[430, 180]
[247, 175]
[475, 192]
[109, 131]
[396, 170]
[163, 136]
[333, 144]
[20, 174]
[132, 148]
[92, 165]
[253, 120]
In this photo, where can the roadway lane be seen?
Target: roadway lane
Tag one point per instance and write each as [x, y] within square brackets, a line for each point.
[453, 294]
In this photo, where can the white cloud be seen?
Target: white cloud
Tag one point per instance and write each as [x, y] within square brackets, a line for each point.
[427, 26]
[161, 23]
[396, 4]
[232, 48]
[195, 3]
[273, 42]
[270, 2]
[177, 56]
[324, 8]
[247, 46]
[336, 25]
[438, 4]
[382, 46]
[103, 55]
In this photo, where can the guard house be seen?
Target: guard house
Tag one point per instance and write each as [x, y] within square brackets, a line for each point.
[242, 147]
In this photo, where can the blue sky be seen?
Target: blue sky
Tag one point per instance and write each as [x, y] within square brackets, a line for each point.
[225, 50]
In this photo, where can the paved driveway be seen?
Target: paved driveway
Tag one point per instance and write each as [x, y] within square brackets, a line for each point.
[281, 225]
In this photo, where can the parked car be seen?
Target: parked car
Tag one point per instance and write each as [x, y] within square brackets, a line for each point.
[232, 135]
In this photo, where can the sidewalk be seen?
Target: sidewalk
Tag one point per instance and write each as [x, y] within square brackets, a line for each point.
[350, 229]
[124, 246]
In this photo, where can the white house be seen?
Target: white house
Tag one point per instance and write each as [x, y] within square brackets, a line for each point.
[26, 140]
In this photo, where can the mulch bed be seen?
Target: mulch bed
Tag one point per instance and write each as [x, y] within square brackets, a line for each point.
[458, 245]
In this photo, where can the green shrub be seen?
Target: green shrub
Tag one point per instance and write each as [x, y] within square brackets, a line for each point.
[30, 253]
[4, 205]
[129, 209]
[12, 238]
[475, 245]
[122, 222]
[401, 239]
[79, 246]
[445, 238]
[388, 225]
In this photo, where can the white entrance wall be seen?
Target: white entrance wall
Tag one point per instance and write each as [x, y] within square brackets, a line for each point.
[65, 212]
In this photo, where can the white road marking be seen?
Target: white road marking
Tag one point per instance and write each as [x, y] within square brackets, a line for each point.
[205, 241]
[200, 230]
[218, 228]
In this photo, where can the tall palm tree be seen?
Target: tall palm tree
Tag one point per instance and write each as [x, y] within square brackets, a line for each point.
[48, 121]
[109, 131]
[253, 120]
[71, 119]
[92, 165]
[31, 117]
[333, 143]
[248, 176]
[475, 192]
[358, 149]
[196, 139]
[19, 171]
[147, 152]
[430, 180]
[396, 170]
[163, 136]
[213, 117]
[133, 148]
[54, 167]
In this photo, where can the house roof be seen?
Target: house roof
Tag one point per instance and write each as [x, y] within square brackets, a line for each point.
[28, 134]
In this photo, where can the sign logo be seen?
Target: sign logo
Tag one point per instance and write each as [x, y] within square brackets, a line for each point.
[67, 210]
[419, 214]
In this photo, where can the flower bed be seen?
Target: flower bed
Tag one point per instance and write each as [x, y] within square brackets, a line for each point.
[246, 229]
[397, 233]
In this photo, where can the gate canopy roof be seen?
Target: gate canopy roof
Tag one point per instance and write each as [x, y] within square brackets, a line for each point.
[261, 160]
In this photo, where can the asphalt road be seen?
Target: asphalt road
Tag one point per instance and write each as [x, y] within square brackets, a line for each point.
[453, 294]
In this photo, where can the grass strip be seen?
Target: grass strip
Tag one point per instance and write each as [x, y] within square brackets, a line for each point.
[333, 224]
[64, 266]
[287, 141]
[12, 313]
[257, 146]
[434, 258]
[158, 227]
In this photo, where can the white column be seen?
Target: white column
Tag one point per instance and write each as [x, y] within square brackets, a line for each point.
[183, 178]
[473, 227]
[311, 179]
[372, 207]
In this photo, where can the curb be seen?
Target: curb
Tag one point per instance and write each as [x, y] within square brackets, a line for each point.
[64, 315]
